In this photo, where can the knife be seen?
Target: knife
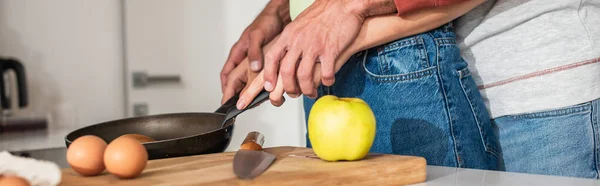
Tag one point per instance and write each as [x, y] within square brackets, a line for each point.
[251, 161]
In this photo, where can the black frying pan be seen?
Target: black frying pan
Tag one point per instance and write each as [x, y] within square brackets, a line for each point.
[177, 134]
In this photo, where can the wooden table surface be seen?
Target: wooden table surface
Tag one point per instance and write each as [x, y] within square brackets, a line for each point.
[302, 168]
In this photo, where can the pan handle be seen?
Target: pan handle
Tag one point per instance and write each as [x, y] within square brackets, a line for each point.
[231, 111]
[228, 104]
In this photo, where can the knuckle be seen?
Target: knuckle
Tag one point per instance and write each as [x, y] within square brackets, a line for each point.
[313, 50]
[234, 47]
[327, 75]
[275, 103]
[256, 33]
[238, 46]
[325, 57]
[287, 71]
[304, 75]
[269, 57]
[307, 91]
[230, 81]
[224, 77]
[303, 78]
[291, 28]
[275, 99]
[291, 89]
[225, 70]
[292, 93]
[239, 43]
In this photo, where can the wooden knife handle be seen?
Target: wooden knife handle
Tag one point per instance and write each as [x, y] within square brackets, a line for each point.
[254, 141]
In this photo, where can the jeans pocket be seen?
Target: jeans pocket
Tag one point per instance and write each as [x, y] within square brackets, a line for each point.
[561, 141]
[487, 134]
[400, 60]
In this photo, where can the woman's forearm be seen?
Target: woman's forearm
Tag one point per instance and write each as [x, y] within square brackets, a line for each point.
[383, 29]
[375, 31]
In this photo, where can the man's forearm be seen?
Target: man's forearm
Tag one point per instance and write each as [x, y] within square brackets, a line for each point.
[383, 29]
[368, 8]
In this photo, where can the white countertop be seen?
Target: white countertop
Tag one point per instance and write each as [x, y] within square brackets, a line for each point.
[34, 140]
[436, 175]
[448, 176]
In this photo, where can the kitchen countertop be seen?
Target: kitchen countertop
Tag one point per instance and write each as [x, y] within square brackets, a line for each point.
[436, 175]
[216, 169]
[34, 140]
[448, 176]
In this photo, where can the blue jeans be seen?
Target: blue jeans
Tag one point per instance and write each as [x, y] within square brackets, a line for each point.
[562, 141]
[424, 99]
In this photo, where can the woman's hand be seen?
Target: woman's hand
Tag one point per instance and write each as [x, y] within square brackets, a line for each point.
[374, 31]
[252, 89]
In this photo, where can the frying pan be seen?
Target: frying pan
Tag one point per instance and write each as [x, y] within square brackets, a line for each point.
[176, 134]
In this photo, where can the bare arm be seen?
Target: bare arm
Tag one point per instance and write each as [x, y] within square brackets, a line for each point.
[375, 31]
[383, 29]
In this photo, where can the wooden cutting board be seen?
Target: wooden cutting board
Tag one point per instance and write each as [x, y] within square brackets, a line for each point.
[301, 168]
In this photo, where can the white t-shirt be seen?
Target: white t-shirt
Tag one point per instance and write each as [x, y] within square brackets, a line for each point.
[533, 55]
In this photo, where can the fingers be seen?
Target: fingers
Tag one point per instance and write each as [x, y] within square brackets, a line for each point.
[235, 83]
[288, 73]
[327, 69]
[255, 55]
[272, 59]
[227, 68]
[276, 96]
[250, 92]
[305, 76]
[236, 55]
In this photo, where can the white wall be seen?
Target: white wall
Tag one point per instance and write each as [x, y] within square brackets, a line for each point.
[281, 126]
[192, 39]
[72, 53]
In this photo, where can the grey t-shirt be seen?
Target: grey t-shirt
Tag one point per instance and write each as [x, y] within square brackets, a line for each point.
[533, 55]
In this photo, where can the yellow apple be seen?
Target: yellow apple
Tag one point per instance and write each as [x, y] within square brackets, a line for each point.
[341, 128]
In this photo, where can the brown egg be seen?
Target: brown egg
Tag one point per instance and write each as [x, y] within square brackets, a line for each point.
[125, 157]
[13, 181]
[139, 137]
[85, 155]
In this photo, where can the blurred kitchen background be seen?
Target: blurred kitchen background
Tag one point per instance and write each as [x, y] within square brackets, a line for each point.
[87, 61]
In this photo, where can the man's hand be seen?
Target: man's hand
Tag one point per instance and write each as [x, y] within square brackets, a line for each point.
[268, 24]
[237, 80]
[249, 84]
[375, 31]
[320, 33]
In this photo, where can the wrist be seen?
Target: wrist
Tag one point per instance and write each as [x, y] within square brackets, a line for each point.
[358, 7]
[280, 8]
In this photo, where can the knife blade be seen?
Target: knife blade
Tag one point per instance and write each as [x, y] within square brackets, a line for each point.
[251, 161]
